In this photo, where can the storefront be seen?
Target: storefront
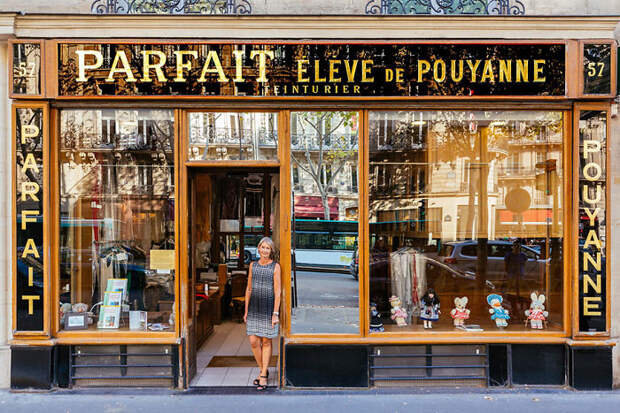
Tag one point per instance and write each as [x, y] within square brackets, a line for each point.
[439, 208]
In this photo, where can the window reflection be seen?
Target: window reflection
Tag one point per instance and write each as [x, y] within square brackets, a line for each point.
[467, 204]
[324, 162]
[233, 136]
[117, 217]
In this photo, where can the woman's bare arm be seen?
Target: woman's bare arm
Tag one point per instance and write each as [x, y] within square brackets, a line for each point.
[248, 293]
[277, 291]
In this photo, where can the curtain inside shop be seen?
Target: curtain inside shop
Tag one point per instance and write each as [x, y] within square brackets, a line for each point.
[117, 219]
[466, 212]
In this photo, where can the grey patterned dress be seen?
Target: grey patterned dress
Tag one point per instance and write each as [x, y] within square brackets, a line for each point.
[260, 308]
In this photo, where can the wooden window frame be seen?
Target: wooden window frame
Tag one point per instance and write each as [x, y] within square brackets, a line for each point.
[614, 77]
[42, 70]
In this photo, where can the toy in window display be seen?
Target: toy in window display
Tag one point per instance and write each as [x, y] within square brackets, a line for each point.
[398, 313]
[430, 308]
[537, 314]
[460, 313]
[376, 325]
[499, 313]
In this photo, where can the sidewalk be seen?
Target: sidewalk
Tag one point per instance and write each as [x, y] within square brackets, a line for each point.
[452, 401]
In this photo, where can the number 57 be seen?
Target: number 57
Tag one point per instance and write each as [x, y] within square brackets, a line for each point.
[592, 69]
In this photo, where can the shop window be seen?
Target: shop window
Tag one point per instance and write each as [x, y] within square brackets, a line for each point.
[472, 227]
[233, 136]
[117, 237]
[325, 298]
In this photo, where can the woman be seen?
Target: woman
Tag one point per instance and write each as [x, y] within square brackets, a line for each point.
[262, 301]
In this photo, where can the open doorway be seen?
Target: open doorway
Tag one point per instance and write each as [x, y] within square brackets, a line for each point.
[230, 211]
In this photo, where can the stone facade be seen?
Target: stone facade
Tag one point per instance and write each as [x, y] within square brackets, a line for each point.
[283, 7]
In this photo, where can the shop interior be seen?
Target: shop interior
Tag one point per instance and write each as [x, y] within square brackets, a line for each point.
[230, 211]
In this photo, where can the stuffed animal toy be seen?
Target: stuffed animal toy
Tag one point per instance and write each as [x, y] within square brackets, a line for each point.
[376, 325]
[430, 308]
[500, 314]
[537, 314]
[460, 313]
[398, 313]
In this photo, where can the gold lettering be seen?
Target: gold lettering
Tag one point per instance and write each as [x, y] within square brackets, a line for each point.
[213, 57]
[30, 248]
[592, 239]
[29, 131]
[590, 146]
[356, 89]
[424, 67]
[587, 259]
[505, 70]
[473, 68]
[586, 194]
[301, 70]
[30, 276]
[26, 219]
[596, 286]
[30, 163]
[589, 306]
[400, 75]
[456, 78]
[366, 70]
[82, 66]
[538, 70]
[238, 54]
[437, 66]
[350, 69]
[522, 70]
[30, 189]
[181, 65]
[592, 215]
[121, 57]
[317, 76]
[487, 72]
[147, 65]
[333, 71]
[389, 75]
[597, 174]
[262, 59]
[31, 299]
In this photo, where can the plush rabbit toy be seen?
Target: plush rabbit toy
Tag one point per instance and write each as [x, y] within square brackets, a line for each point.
[537, 314]
[460, 313]
[398, 313]
[499, 313]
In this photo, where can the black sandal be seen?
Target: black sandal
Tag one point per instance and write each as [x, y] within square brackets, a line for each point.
[257, 381]
[262, 387]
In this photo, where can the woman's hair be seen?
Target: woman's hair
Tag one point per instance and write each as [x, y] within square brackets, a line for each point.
[271, 246]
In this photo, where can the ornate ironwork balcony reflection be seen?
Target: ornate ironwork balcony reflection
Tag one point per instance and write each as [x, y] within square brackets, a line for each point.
[171, 7]
[446, 7]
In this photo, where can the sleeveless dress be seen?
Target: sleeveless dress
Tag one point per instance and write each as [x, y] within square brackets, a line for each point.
[260, 308]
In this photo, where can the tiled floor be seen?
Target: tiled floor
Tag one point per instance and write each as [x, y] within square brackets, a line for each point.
[229, 339]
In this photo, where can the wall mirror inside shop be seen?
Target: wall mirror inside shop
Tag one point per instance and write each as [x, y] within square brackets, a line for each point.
[466, 226]
[324, 168]
[117, 235]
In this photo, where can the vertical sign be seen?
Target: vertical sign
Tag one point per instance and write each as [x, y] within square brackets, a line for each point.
[28, 174]
[597, 69]
[592, 237]
[26, 75]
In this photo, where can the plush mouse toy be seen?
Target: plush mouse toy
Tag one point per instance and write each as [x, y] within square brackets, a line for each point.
[398, 313]
[460, 313]
[537, 314]
[500, 314]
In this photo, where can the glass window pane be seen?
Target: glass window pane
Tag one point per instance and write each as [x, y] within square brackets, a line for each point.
[324, 151]
[233, 136]
[117, 217]
[465, 204]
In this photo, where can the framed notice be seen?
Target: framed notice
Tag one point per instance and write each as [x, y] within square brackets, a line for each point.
[76, 321]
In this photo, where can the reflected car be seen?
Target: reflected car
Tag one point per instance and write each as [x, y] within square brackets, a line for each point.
[462, 257]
